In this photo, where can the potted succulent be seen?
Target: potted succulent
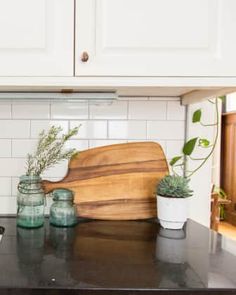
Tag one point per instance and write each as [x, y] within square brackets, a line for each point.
[30, 198]
[173, 190]
[172, 194]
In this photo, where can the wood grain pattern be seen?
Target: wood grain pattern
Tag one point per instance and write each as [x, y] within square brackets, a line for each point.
[228, 164]
[116, 182]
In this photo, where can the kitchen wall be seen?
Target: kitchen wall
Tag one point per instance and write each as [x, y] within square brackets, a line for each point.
[128, 119]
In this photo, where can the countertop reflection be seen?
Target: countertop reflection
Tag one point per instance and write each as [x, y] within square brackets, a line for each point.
[120, 255]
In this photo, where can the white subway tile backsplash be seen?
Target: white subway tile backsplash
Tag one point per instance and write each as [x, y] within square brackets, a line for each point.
[12, 167]
[127, 129]
[151, 110]
[77, 144]
[68, 111]
[103, 142]
[5, 186]
[174, 148]
[31, 111]
[165, 130]
[5, 148]
[14, 128]
[175, 111]
[38, 126]
[22, 147]
[90, 129]
[108, 110]
[129, 119]
[14, 184]
[5, 111]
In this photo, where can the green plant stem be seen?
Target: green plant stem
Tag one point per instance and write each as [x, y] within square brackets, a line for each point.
[196, 159]
[208, 125]
[215, 141]
[211, 101]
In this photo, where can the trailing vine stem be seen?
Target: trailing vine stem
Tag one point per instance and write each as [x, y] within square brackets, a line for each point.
[214, 143]
[190, 146]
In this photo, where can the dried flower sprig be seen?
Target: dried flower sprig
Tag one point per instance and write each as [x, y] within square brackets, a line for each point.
[50, 150]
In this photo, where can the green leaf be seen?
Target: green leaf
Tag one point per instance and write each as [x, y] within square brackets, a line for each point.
[175, 160]
[189, 146]
[197, 116]
[204, 142]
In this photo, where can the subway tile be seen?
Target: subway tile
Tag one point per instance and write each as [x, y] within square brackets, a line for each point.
[108, 110]
[174, 148]
[8, 205]
[147, 110]
[98, 143]
[68, 111]
[12, 167]
[5, 111]
[127, 129]
[38, 126]
[5, 148]
[91, 129]
[5, 186]
[77, 144]
[14, 184]
[165, 130]
[22, 147]
[14, 128]
[31, 111]
[175, 111]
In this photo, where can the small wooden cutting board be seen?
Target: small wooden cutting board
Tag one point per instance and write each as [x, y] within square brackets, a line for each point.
[115, 182]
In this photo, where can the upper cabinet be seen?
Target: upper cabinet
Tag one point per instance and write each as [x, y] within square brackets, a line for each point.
[155, 38]
[36, 37]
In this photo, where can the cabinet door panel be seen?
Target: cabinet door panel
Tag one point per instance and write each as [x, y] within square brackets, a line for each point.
[156, 37]
[36, 37]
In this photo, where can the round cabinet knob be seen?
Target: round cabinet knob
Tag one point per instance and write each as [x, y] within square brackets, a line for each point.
[84, 56]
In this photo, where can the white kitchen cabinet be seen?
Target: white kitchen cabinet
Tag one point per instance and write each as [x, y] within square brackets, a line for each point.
[156, 38]
[36, 37]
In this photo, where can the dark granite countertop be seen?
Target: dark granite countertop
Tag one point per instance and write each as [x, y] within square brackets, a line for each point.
[105, 257]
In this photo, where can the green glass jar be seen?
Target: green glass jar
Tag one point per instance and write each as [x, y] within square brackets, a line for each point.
[63, 211]
[30, 202]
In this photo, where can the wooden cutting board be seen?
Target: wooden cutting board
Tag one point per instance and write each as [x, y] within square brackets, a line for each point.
[115, 182]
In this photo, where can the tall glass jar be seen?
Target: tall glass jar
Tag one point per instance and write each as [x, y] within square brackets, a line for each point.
[63, 211]
[30, 202]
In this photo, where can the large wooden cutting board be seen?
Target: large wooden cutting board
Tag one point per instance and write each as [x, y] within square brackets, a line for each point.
[115, 182]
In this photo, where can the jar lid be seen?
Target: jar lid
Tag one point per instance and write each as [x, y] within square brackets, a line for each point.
[62, 195]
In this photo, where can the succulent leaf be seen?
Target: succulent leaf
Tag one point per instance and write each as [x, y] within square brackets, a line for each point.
[174, 186]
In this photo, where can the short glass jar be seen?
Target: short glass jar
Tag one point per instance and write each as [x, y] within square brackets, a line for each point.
[63, 210]
[30, 202]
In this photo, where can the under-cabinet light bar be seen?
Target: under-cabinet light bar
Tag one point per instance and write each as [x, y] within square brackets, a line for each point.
[59, 95]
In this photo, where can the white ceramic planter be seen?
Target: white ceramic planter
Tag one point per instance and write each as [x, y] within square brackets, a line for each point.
[172, 212]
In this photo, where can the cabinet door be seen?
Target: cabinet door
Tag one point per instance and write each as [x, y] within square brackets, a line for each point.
[156, 37]
[36, 37]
